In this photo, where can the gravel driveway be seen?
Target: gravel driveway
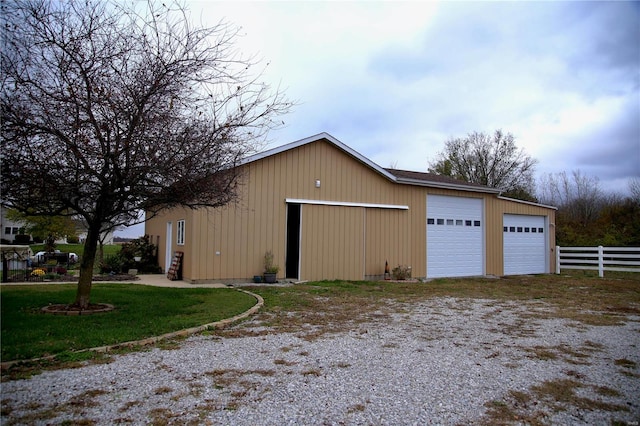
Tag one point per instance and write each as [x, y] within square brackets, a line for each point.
[444, 361]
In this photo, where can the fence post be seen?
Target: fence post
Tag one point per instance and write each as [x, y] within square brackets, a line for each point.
[557, 259]
[601, 261]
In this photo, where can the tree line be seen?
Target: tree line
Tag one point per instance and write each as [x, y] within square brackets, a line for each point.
[588, 215]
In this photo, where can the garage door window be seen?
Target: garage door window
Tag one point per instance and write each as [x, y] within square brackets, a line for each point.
[454, 222]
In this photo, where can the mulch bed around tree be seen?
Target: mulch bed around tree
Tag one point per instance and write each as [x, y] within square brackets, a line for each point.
[115, 277]
[93, 308]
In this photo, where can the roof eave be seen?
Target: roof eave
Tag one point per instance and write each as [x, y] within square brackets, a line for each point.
[443, 185]
[531, 203]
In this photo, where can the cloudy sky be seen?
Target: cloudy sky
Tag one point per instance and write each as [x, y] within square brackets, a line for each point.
[395, 80]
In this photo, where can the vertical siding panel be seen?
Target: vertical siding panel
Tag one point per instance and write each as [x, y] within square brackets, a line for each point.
[309, 236]
[255, 246]
[200, 250]
[212, 243]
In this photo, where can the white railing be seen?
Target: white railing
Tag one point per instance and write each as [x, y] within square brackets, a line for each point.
[626, 259]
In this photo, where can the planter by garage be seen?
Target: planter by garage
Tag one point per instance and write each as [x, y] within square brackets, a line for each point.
[269, 278]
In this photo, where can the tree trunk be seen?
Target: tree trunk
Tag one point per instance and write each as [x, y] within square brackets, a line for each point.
[86, 267]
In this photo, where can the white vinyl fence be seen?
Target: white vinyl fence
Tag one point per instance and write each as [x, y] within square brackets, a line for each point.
[626, 259]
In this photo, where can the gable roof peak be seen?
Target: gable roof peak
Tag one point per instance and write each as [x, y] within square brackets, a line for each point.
[394, 175]
[315, 138]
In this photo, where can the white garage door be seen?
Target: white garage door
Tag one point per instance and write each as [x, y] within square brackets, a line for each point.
[455, 236]
[525, 249]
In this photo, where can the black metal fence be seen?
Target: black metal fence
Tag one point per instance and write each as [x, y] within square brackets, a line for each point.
[18, 267]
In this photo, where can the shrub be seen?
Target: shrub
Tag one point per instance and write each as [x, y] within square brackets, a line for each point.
[401, 272]
[147, 252]
[112, 264]
[60, 270]
[269, 267]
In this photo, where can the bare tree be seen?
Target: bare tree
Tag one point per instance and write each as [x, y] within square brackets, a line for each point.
[634, 188]
[492, 160]
[578, 196]
[108, 109]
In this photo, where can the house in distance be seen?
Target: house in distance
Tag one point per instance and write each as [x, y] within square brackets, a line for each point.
[327, 212]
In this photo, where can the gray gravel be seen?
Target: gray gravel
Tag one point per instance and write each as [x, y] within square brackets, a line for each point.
[445, 361]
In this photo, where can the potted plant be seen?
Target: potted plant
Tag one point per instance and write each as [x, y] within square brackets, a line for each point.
[270, 270]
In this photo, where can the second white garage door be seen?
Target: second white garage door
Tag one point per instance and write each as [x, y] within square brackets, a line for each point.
[525, 246]
[455, 236]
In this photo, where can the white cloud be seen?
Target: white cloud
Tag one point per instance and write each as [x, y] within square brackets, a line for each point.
[394, 80]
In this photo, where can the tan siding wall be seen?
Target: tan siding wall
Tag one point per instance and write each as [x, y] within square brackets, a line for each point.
[388, 239]
[157, 227]
[332, 243]
[336, 241]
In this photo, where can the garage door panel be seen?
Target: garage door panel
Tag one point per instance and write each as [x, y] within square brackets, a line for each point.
[524, 244]
[455, 231]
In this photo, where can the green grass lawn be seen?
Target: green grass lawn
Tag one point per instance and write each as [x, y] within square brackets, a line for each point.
[109, 250]
[141, 312]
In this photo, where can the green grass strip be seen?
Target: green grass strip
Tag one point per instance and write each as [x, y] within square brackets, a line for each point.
[140, 312]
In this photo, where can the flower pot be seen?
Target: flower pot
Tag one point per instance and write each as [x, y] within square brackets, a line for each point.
[269, 278]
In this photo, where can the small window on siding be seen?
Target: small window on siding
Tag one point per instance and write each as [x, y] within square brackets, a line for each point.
[180, 233]
[440, 221]
[541, 230]
[449, 221]
[519, 228]
[505, 229]
[431, 221]
[458, 222]
[526, 229]
[7, 230]
[534, 230]
[467, 223]
[476, 223]
[512, 229]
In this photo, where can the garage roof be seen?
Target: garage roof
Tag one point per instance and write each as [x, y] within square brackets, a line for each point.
[398, 176]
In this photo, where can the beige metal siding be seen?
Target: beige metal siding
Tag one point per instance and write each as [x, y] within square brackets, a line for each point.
[332, 243]
[337, 242]
[388, 239]
[156, 229]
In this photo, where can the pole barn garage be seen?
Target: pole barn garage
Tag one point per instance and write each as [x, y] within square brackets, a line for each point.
[327, 212]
